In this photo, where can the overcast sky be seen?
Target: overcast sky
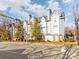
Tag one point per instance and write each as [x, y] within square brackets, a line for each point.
[22, 8]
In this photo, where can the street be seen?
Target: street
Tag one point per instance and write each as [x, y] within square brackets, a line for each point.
[34, 51]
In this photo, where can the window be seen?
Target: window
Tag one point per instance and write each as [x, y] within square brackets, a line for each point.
[55, 21]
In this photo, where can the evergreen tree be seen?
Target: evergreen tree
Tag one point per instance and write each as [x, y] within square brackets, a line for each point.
[3, 33]
[36, 29]
[18, 30]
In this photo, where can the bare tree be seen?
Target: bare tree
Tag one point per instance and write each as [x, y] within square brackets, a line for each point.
[76, 20]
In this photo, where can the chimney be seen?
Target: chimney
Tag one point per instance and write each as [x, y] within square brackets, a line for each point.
[30, 16]
[49, 14]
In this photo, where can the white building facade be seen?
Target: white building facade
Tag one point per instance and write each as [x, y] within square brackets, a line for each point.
[53, 26]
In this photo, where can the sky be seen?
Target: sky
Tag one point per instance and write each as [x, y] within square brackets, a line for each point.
[22, 8]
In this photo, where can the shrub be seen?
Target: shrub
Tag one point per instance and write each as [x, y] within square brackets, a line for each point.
[70, 39]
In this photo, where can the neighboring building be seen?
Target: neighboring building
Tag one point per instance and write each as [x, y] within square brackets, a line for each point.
[25, 29]
[31, 21]
[7, 22]
[43, 24]
[18, 30]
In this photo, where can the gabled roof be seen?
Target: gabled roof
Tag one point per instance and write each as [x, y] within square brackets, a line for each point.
[45, 17]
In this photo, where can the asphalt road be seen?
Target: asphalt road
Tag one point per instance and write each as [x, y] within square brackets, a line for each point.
[33, 51]
[11, 55]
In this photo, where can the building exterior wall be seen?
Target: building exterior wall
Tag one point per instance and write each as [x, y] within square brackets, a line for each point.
[55, 27]
[25, 29]
[43, 25]
[54, 37]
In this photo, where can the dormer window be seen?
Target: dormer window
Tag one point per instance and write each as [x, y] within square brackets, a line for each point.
[62, 16]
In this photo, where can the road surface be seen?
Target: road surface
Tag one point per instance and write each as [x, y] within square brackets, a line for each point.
[33, 51]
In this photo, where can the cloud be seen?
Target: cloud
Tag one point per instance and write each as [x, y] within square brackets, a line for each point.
[15, 7]
[35, 9]
[18, 13]
[53, 5]
[69, 14]
[67, 1]
[3, 6]
[12, 1]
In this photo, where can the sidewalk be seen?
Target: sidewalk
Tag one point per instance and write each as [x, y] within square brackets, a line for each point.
[39, 43]
[11, 42]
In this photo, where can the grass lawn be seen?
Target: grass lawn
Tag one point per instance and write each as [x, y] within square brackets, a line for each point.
[44, 42]
[53, 43]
